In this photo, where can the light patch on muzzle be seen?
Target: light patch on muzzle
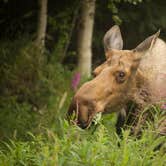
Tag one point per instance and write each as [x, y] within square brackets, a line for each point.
[96, 119]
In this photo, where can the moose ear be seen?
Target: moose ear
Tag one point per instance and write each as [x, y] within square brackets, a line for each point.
[113, 39]
[148, 43]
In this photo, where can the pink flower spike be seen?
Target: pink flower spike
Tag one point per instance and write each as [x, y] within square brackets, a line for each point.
[75, 81]
[163, 106]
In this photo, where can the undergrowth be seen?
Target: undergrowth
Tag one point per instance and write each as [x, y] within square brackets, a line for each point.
[77, 147]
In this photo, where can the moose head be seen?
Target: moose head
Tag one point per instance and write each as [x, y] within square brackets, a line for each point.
[115, 79]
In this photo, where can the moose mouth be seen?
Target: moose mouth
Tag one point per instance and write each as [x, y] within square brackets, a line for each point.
[94, 119]
[82, 115]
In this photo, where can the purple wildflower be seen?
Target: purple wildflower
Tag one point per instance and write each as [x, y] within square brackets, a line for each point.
[163, 106]
[75, 81]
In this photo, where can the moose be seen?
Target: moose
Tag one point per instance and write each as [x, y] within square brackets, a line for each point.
[127, 76]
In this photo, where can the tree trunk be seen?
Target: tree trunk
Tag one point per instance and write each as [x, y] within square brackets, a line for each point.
[85, 37]
[42, 24]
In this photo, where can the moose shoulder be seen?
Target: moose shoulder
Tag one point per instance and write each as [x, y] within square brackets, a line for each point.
[137, 76]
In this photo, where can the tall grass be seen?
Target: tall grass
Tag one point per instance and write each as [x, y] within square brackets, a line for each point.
[77, 147]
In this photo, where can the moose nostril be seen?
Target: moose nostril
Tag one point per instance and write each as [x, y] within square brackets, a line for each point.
[83, 125]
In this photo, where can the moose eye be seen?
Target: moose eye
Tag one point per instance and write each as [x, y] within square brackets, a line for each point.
[121, 74]
[120, 77]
